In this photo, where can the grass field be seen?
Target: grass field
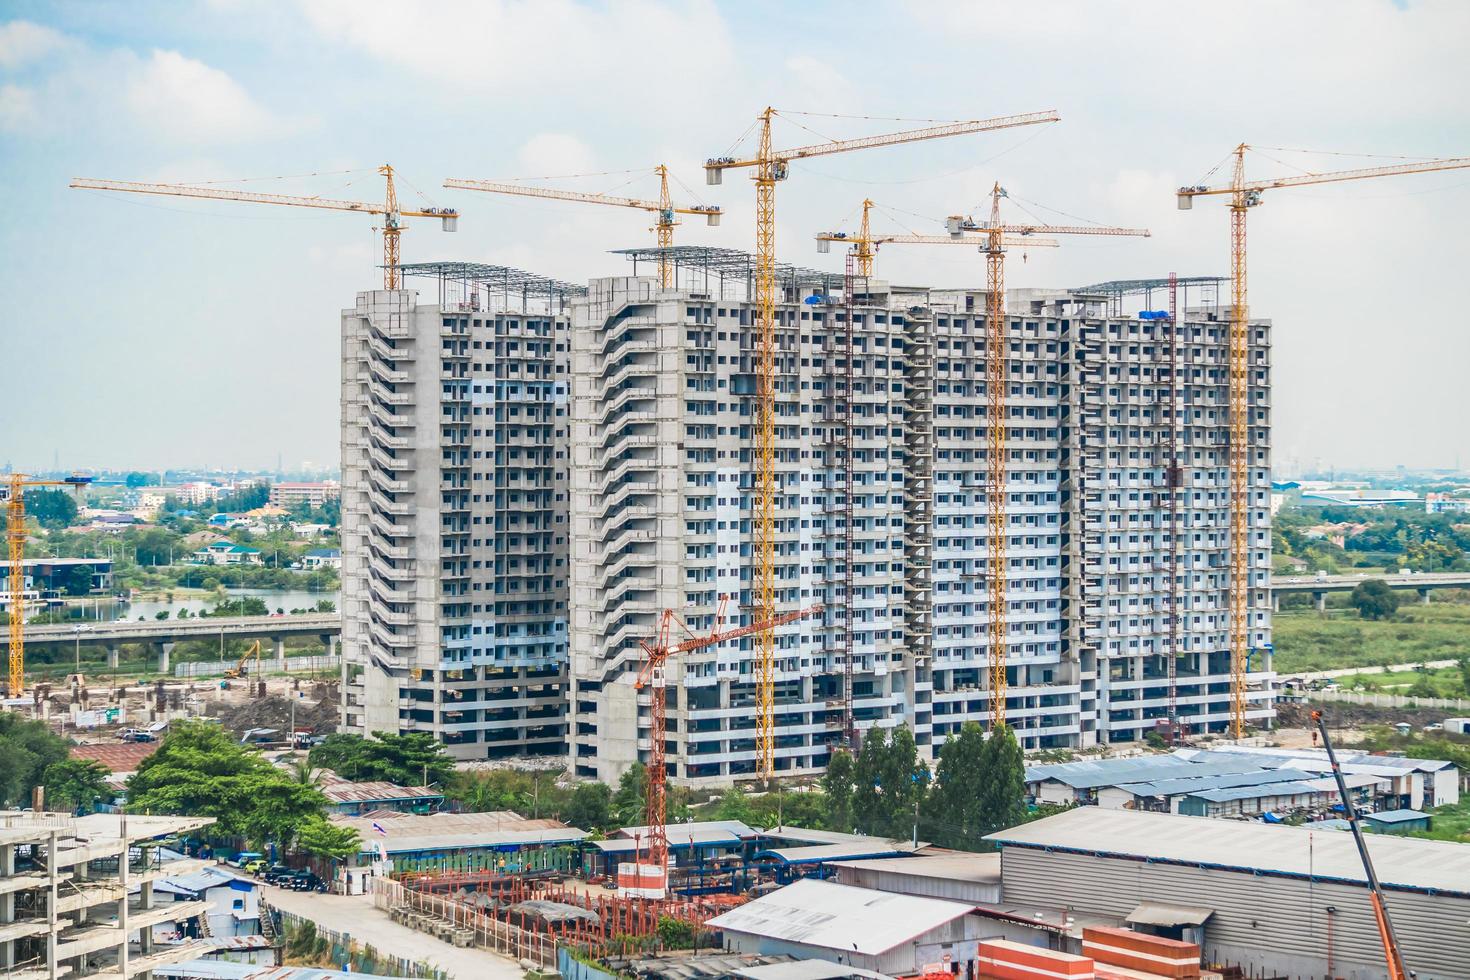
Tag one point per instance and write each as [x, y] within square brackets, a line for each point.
[1446, 682]
[1307, 640]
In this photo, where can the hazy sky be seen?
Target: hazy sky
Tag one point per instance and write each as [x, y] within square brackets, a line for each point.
[148, 331]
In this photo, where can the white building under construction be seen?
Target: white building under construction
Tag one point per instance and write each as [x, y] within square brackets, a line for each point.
[1118, 504]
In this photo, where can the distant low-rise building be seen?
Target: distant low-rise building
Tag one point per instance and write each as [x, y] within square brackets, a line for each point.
[313, 494]
[227, 553]
[233, 899]
[322, 558]
[352, 799]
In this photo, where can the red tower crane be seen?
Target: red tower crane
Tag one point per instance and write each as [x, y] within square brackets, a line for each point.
[652, 676]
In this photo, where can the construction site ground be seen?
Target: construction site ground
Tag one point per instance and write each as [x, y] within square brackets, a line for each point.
[356, 916]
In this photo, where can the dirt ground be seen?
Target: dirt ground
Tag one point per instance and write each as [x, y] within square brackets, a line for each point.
[1344, 715]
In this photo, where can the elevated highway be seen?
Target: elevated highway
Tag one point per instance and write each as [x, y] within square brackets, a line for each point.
[164, 634]
[1318, 586]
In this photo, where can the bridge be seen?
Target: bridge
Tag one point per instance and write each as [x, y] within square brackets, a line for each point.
[164, 634]
[1319, 585]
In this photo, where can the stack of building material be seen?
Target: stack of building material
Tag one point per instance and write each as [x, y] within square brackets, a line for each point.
[1139, 952]
[1001, 959]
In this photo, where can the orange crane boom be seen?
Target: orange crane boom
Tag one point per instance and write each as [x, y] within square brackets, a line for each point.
[663, 208]
[652, 676]
[14, 490]
[865, 244]
[1393, 956]
[1244, 195]
[772, 165]
[392, 225]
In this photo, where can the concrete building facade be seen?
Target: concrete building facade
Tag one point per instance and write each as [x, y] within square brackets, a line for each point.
[77, 895]
[454, 525]
[1117, 545]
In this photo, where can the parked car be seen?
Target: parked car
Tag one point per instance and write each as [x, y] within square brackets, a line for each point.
[276, 872]
[244, 858]
[303, 881]
[254, 867]
[135, 735]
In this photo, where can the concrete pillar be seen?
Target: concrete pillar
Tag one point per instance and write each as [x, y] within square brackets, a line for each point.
[279, 642]
[165, 651]
[114, 654]
[1424, 596]
[1275, 602]
[7, 906]
[1320, 598]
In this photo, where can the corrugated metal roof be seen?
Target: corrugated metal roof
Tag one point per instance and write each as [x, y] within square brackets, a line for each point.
[119, 757]
[204, 878]
[871, 847]
[1149, 768]
[680, 836]
[1247, 846]
[839, 917]
[676, 830]
[1160, 914]
[213, 969]
[408, 832]
[1396, 816]
[1284, 788]
[1191, 784]
[805, 970]
[375, 792]
[956, 866]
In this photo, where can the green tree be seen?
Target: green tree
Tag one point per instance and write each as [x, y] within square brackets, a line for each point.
[27, 749]
[952, 809]
[410, 759]
[324, 606]
[1002, 802]
[628, 803]
[590, 807]
[200, 770]
[323, 839]
[78, 580]
[1373, 599]
[735, 805]
[837, 784]
[51, 508]
[1464, 664]
[889, 781]
[76, 784]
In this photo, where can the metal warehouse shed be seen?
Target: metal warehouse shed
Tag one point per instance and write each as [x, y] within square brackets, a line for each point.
[958, 876]
[1277, 895]
[893, 934]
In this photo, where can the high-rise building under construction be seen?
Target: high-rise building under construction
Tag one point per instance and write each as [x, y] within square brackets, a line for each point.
[1118, 520]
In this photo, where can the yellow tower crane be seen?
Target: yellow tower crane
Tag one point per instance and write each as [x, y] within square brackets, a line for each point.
[663, 208]
[865, 244]
[14, 489]
[392, 214]
[994, 237]
[996, 380]
[1244, 195]
[772, 165]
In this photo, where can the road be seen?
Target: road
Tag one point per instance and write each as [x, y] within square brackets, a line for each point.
[1283, 584]
[172, 630]
[1346, 671]
[356, 916]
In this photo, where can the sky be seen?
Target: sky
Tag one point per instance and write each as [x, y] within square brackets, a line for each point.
[143, 332]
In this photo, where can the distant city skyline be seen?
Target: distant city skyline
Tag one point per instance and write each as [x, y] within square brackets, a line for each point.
[154, 329]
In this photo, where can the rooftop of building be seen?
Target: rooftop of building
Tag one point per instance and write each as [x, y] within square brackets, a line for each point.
[1250, 847]
[116, 756]
[403, 833]
[832, 916]
[27, 826]
[937, 863]
[338, 790]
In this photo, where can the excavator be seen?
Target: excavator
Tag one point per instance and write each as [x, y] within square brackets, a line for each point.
[1391, 952]
[240, 670]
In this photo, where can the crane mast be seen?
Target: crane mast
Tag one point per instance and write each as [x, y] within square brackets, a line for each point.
[1245, 194]
[771, 165]
[15, 536]
[652, 677]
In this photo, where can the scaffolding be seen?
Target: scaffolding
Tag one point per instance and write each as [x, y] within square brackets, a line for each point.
[696, 266]
[476, 287]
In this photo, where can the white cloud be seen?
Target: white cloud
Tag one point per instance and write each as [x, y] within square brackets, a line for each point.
[499, 47]
[184, 99]
[17, 108]
[555, 154]
[22, 42]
